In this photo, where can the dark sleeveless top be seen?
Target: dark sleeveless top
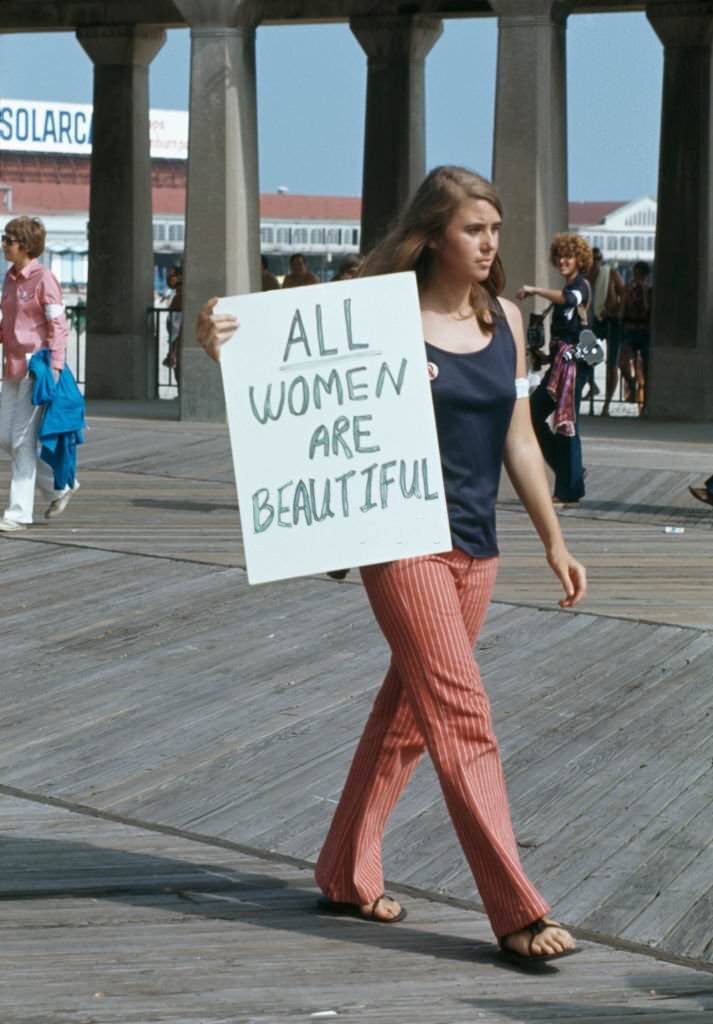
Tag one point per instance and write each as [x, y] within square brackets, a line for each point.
[473, 398]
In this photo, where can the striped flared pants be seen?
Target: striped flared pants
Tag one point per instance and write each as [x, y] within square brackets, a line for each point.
[430, 610]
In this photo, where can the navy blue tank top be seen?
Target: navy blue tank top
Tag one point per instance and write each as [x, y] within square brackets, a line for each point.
[473, 398]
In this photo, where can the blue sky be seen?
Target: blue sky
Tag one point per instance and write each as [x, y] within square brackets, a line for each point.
[311, 86]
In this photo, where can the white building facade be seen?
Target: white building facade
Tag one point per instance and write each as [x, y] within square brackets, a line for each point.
[626, 234]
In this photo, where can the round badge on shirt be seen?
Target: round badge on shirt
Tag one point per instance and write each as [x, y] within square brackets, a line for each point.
[432, 370]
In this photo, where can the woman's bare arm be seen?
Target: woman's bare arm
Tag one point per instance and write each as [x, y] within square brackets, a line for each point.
[526, 469]
[551, 294]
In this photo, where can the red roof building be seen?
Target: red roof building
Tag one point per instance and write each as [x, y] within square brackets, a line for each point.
[55, 186]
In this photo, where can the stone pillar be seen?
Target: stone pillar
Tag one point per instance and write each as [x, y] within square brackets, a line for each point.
[120, 287]
[681, 370]
[223, 201]
[530, 143]
[395, 138]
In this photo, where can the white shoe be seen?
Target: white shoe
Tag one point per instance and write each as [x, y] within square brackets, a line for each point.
[10, 525]
[58, 505]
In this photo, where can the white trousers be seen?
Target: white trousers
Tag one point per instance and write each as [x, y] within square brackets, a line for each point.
[19, 425]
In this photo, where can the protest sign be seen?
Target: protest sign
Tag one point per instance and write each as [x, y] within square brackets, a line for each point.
[332, 427]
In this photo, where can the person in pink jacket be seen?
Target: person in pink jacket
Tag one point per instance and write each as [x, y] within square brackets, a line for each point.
[32, 318]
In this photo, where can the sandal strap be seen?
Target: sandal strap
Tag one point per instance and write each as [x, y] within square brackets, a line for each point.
[537, 927]
[374, 905]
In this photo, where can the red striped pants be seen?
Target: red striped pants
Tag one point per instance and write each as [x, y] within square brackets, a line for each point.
[430, 610]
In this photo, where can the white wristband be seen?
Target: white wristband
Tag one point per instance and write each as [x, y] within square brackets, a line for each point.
[522, 387]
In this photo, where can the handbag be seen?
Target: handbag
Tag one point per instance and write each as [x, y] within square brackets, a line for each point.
[536, 330]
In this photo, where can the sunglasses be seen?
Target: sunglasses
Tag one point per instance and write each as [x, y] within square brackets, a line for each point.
[9, 240]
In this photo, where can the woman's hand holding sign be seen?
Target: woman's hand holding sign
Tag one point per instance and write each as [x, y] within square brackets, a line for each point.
[214, 329]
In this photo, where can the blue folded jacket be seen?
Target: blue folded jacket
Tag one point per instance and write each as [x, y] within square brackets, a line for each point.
[62, 427]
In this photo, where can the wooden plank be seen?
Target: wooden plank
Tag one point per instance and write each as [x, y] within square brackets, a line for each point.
[111, 924]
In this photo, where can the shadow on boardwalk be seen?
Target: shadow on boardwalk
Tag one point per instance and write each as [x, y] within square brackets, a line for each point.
[181, 936]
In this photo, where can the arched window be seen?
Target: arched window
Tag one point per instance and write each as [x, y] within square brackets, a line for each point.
[316, 236]
[159, 232]
[333, 236]
[175, 232]
[299, 236]
[283, 236]
[611, 243]
[267, 236]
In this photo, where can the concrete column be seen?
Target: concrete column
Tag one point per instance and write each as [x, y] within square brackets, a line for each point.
[118, 358]
[395, 139]
[530, 144]
[681, 371]
[223, 202]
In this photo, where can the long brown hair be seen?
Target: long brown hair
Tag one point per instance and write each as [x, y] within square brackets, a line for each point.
[424, 220]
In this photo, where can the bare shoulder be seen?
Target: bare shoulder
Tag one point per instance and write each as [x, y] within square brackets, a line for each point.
[514, 319]
[508, 305]
[512, 315]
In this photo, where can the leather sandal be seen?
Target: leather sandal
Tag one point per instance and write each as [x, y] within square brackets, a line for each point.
[702, 494]
[327, 906]
[529, 959]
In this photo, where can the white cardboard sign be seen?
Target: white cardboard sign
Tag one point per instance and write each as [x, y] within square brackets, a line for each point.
[332, 427]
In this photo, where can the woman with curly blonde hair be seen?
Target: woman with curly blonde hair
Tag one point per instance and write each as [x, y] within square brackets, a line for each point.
[560, 390]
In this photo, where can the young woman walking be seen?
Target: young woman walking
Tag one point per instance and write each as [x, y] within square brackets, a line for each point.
[430, 609]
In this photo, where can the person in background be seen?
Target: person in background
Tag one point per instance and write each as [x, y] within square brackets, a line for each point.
[349, 268]
[299, 274]
[269, 281]
[607, 295]
[32, 319]
[431, 608]
[560, 390]
[636, 322]
[174, 281]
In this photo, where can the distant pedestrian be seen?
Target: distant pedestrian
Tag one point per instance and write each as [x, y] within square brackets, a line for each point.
[32, 319]
[269, 281]
[704, 493]
[299, 274]
[607, 297]
[348, 268]
[636, 322]
[431, 608]
[175, 322]
[560, 390]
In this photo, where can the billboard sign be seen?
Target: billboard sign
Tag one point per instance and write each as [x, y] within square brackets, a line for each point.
[34, 126]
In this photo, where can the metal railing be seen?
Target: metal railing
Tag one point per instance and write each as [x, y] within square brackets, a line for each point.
[158, 333]
[160, 330]
[76, 342]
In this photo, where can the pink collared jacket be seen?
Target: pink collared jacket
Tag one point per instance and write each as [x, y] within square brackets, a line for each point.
[32, 318]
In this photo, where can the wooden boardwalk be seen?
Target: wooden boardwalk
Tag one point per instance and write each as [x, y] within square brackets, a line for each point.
[104, 923]
[143, 678]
